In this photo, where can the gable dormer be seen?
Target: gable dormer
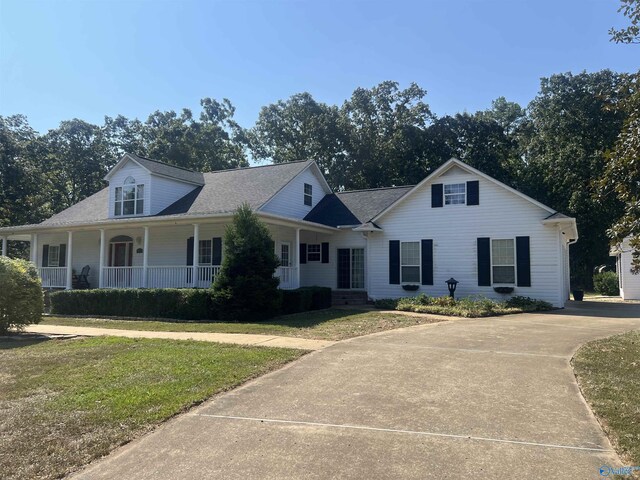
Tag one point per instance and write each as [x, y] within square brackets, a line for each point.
[300, 195]
[142, 187]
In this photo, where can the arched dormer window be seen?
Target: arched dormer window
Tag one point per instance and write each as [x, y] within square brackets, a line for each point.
[129, 198]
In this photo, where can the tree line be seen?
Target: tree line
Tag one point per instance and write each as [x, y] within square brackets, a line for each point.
[559, 149]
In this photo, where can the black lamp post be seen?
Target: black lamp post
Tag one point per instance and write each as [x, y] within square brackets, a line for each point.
[451, 285]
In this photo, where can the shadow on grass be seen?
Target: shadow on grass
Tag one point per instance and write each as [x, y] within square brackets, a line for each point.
[20, 340]
[312, 318]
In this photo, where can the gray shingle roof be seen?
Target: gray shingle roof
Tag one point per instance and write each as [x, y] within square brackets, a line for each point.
[166, 170]
[355, 207]
[223, 192]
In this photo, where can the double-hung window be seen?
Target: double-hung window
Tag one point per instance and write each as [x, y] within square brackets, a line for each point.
[313, 252]
[54, 256]
[204, 252]
[410, 262]
[455, 194]
[308, 194]
[503, 266]
[129, 198]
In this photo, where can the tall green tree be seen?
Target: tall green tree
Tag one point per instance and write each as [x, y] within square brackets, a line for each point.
[572, 122]
[23, 192]
[300, 128]
[631, 33]
[385, 131]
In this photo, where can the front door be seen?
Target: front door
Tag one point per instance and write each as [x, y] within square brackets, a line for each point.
[121, 254]
[351, 268]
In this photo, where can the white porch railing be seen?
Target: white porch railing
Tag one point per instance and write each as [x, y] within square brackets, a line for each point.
[287, 276]
[167, 276]
[122, 277]
[53, 277]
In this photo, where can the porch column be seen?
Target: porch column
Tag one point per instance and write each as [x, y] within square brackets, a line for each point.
[4, 246]
[33, 250]
[297, 256]
[196, 247]
[145, 257]
[102, 249]
[69, 260]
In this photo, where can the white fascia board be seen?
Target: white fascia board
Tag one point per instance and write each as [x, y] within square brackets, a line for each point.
[126, 157]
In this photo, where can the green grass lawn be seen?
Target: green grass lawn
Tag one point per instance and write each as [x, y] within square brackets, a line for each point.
[331, 324]
[64, 403]
[608, 372]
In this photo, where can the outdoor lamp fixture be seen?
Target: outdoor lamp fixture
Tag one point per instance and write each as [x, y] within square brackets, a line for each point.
[451, 285]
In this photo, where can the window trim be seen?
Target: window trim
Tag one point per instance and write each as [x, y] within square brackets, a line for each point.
[200, 242]
[445, 194]
[49, 263]
[129, 182]
[309, 253]
[515, 262]
[419, 265]
[308, 196]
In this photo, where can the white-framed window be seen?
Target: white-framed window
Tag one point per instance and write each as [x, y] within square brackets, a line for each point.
[503, 261]
[129, 198]
[410, 262]
[54, 256]
[455, 194]
[313, 252]
[285, 254]
[308, 194]
[205, 252]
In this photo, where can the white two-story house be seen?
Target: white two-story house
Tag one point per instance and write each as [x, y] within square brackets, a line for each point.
[160, 226]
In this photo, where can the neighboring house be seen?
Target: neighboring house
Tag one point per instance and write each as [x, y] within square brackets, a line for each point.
[161, 226]
[628, 282]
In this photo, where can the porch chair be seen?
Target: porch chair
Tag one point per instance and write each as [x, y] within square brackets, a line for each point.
[82, 280]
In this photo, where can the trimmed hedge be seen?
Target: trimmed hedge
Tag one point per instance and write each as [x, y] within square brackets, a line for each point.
[178, 303]
[20, 294]
[305, 298]
[606, 283]
[174, 303]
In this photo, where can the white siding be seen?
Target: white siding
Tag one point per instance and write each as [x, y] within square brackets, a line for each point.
[165, 191]
[141, 175]
[629, 283]
[289, 201]
[326, 274]
[85, 251]
[455, 229]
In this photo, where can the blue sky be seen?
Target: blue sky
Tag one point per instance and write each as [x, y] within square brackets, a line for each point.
[86, 59]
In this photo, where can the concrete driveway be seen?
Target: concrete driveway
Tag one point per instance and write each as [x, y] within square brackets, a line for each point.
[480, 398]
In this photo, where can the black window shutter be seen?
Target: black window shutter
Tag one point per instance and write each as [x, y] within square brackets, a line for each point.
[216, 251]
[303, 253]
[484, 262]
[325, 252]
[523, 261]
[427, 262]
[394, 262]
[473, 192]
[436, 195]
[62, 258]
[190, 251]
[45, 255]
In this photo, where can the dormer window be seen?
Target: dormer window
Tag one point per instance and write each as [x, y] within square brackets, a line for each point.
[308, 194]
[455, 194]
[129, 198]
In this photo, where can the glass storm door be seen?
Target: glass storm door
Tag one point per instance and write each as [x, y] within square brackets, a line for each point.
[351, 268]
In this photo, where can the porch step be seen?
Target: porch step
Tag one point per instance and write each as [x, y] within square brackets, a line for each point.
[346, 297]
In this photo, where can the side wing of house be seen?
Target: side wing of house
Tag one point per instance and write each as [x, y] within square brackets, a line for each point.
[463, 225]
[298, 197]
[628, 282]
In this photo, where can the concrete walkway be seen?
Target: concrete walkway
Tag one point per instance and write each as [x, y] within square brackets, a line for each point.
[237, 338]
[481, 398]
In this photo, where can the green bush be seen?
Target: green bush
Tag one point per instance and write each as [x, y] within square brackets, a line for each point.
[475, 306]
[246, 290]
[21, 298]
[606, 283]
[305, 299]
[177, 303]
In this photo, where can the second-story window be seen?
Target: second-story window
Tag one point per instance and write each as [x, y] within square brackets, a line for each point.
[308, 194]
[129, 198]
